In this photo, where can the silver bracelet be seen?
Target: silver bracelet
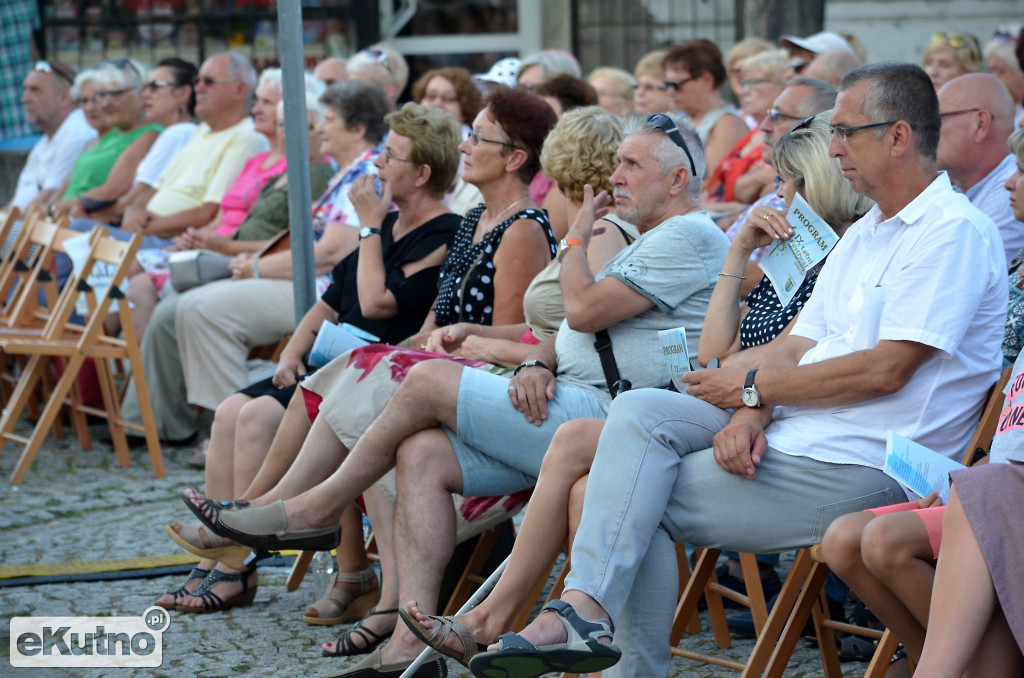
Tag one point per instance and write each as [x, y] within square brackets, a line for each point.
[256, 269]
[733, 275]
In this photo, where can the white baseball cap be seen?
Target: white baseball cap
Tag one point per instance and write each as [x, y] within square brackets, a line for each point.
[502, 72]
[826, 41]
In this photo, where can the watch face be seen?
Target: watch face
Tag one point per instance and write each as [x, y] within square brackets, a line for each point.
[749, 397]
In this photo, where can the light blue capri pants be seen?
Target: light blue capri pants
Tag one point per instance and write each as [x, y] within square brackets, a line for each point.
[499, 451]
[654, 483]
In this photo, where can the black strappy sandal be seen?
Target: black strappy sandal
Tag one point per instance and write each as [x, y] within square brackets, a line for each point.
[343, 645]
[210, 509]
[214, 603]
[179, 591]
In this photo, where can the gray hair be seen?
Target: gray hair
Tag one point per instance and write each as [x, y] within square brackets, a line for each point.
[1016, 144]
[668, 154]
[822, 97]
[552, 63]
[124, 74]
[241, 68]
[358, 102]
[900, 91]
[88, 75]
[314, 108]
[270, 77]
[1004, 51]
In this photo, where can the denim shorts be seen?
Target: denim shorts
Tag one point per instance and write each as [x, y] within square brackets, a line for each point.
[499, 451]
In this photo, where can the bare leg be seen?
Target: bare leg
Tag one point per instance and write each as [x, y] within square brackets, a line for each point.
[898, 553]
[284, 448]
[967, 627]
[352, 558]
[257, 422]
[428, 473]
[143, 297]
[541, 535]
[846, 549]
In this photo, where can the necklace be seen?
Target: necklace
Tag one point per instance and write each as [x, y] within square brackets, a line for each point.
[497, 219]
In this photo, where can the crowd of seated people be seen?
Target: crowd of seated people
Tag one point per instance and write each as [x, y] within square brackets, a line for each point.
[515, 247]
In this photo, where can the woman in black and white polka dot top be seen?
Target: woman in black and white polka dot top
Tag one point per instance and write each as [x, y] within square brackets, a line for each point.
[741, 333]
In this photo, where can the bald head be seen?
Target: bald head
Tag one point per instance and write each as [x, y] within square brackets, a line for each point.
[330, 71]
[977, 119]
[833, 66]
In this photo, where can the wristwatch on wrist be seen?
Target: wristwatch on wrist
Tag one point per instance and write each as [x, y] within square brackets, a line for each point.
[367, 231]
[531, 363]
[750, 396]
[567, 243]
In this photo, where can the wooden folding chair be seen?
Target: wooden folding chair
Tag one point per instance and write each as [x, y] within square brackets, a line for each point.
[70, 345]
[802, 594]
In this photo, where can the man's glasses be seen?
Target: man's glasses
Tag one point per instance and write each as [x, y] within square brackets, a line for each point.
[153, 86]
[46, 67]
[798, 65]
[668, 126]
[948, 114]
[475, 139]
[842, 133]
[207, 81]
[775, 115]
[676, 84]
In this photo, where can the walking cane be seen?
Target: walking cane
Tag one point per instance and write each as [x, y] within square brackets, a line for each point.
[473, 601]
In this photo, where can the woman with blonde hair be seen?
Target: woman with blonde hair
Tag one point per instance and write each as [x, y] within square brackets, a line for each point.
[614, 88]
[950, 55]
[651, 94]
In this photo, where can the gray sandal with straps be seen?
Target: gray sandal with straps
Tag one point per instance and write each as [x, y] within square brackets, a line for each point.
[343, 645]
[582, 652]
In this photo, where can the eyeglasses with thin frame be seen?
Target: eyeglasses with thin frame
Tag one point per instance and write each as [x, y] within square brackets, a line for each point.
[207, 81]
[775, 114]
[751, 83]
[112, 94]
[82, 102]
[948, 114]
[154, 85]
[389, 156]
[676, 84]
[44, 66]
[843, 133]
[475, 139]
[668, 126]
[650, 87]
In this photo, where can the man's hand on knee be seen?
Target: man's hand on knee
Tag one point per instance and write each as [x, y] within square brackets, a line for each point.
[740, 446]
[530, 390]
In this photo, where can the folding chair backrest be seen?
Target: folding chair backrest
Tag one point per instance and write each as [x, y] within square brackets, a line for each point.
[16, 263]
[31, 272]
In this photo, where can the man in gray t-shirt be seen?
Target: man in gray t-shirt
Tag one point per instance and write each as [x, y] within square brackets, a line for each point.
[467, 431]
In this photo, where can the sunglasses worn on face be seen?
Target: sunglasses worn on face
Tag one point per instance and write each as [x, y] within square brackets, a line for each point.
[207, 81]
[666, 125]
[153, 86]
[44, 66]
[676, 84]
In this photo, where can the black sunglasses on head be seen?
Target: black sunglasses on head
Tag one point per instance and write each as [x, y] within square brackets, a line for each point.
[666, 125]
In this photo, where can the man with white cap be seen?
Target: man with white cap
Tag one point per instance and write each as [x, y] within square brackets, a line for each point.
[803, 50]
[503, 72]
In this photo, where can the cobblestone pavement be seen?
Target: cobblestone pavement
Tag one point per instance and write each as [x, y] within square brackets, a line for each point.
[76, 505]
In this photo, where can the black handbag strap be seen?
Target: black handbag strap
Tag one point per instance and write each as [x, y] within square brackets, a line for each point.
[603, 346]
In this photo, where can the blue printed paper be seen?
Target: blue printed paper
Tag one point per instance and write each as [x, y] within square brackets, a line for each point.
[787, 261]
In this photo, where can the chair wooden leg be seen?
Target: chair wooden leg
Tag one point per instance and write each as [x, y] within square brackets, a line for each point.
[883, 653]
[299, 568]
[826, 638]
[471, 573]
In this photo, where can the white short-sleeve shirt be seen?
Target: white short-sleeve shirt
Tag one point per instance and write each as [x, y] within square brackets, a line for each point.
[932, 274]
[166, 146]
[51, 159]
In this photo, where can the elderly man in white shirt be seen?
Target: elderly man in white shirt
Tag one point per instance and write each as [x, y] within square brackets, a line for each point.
[882, 345]
[977, 119]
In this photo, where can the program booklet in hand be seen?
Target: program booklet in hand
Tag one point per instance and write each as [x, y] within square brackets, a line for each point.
[677, 357]
[332, 340]
[915, 466]
[787, 261]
